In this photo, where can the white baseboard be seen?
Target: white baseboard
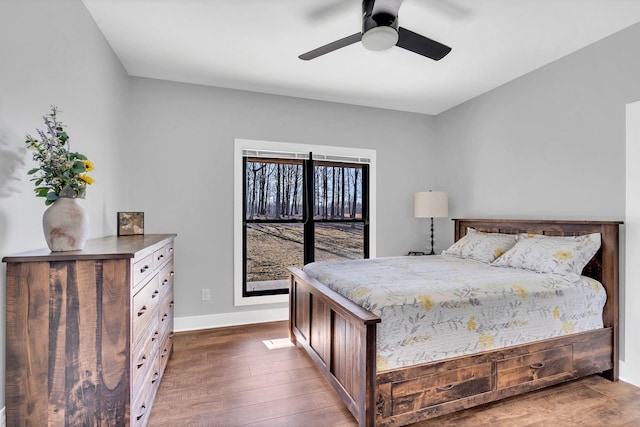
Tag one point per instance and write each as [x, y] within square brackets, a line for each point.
[194, 323]
[3, 417]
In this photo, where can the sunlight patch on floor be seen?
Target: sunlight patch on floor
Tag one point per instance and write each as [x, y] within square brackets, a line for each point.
[278, 343]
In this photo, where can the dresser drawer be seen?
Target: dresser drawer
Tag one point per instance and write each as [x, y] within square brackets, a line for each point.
[165, 313]
[142, 269]
[166, 278]
[144, 309]
[165, 350]
[163, 255]
[429, 390]
[142, 397]
[144, 353]
[531, 367]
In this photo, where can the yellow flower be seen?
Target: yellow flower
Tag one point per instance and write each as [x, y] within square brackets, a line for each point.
[88, 166]
[86, 178]
[563, 255]
[471, 324]
[522, 292]
[486, 341]
[359, 292]
[426, 302]
[381, 364]
[556, 313]
[567, 328]
[595, 285]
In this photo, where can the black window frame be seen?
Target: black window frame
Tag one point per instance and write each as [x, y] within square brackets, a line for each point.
[308, 220]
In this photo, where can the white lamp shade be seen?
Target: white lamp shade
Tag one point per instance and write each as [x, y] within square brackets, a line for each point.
[430, 204]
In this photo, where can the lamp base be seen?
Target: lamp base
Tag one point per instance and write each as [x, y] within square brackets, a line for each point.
[433, 252]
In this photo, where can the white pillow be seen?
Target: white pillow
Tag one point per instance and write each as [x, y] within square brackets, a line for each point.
[566, 256]
[484, 247]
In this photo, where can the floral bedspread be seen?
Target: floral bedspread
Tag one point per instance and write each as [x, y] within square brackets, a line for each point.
[436, 307]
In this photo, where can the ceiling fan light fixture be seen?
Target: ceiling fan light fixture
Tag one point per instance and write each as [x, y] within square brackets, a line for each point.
[380, 38]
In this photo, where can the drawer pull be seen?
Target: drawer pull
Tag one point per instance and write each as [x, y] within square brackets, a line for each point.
[537, 365]
[164, 353]
[155, 293]
[446, 388]
[165, 281]
[155, 336]
[171, 274]
[170, 249]
[142, 361]
[141, 412]
[142, 311]
[143, 269]
[171, 334]
[155, 378]
[160, 257]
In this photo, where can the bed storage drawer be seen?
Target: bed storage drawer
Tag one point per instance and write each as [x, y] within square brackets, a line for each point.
[534, 366]
[417, 393]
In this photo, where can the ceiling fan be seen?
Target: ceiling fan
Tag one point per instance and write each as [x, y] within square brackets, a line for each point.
[380, 31]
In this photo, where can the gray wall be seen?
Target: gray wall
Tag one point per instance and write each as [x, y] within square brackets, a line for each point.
[185, 134]
[53, 53]
[550, 144]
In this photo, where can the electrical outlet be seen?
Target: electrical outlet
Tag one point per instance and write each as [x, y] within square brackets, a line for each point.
[206, 294]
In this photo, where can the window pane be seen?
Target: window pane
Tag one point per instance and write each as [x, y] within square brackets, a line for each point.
[273, 190]
[339, 241]
[271, 248]
[338, 191]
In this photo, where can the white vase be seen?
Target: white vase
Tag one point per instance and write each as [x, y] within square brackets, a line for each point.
[66, 225]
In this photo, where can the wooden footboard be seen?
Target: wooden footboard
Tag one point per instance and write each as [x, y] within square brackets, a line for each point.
[340, 336]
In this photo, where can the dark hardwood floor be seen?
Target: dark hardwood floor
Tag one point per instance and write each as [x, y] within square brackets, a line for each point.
[228, 377]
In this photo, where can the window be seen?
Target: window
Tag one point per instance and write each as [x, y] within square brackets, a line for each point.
[297, 207]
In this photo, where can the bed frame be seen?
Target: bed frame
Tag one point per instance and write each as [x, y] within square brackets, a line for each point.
[340, 336]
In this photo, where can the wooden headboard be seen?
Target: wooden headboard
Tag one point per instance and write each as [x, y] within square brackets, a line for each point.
[604, 266]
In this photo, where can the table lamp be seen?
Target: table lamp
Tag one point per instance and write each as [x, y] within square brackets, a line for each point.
[431, 204]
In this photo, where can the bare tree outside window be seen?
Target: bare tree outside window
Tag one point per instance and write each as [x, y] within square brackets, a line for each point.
[275, 221]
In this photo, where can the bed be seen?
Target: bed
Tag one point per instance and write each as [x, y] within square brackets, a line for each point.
[341, 337]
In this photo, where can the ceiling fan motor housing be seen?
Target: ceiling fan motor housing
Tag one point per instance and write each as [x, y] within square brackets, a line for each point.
[379, 31]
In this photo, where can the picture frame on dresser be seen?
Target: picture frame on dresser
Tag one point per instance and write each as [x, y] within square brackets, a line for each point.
[89, 332]
[130, 223]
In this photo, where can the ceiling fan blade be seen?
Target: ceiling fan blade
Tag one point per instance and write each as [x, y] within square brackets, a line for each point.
[421, 45]
[354, 38]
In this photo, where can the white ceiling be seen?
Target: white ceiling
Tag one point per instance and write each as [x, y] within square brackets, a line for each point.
[254, 45]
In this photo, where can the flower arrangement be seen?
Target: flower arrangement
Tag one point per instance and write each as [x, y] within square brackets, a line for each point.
[61, 173]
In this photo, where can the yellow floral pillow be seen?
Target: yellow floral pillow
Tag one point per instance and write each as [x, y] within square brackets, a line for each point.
[566, 256]
[483, 247]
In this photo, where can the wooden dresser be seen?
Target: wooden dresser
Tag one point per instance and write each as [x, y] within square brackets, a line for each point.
[89, 332]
